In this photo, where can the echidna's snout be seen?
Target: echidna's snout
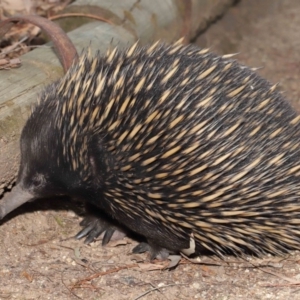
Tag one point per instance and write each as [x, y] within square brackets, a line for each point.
[14, 199]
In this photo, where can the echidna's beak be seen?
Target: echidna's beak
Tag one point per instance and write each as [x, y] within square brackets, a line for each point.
[13, 200]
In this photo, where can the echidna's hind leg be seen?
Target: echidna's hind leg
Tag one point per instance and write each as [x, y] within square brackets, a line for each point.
[97, 223]
[154, 250]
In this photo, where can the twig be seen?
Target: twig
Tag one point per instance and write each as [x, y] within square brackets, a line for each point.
[157, 289]
[99, 274]
[67, 15]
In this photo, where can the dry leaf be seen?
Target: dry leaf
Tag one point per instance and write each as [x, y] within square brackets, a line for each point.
[151, 267]
[28, 276]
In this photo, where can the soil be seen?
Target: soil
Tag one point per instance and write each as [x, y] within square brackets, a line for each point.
[41, 260]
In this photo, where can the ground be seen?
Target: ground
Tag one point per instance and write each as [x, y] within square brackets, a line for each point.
[41, 260]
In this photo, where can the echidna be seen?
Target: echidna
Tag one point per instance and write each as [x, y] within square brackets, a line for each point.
[172, 142]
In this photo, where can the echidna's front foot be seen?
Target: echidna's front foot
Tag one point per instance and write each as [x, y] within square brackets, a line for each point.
[95, 224]
[93, 228]
[154, 250]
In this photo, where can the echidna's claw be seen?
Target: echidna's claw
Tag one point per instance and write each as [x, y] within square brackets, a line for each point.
[97, 225]
[154, 250]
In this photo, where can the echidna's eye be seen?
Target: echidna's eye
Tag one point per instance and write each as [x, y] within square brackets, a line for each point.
[38, 180]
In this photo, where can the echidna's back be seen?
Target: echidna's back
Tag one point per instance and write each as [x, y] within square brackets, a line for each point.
[196, 143]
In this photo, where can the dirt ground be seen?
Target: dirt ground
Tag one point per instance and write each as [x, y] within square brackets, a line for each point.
[41, 260]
